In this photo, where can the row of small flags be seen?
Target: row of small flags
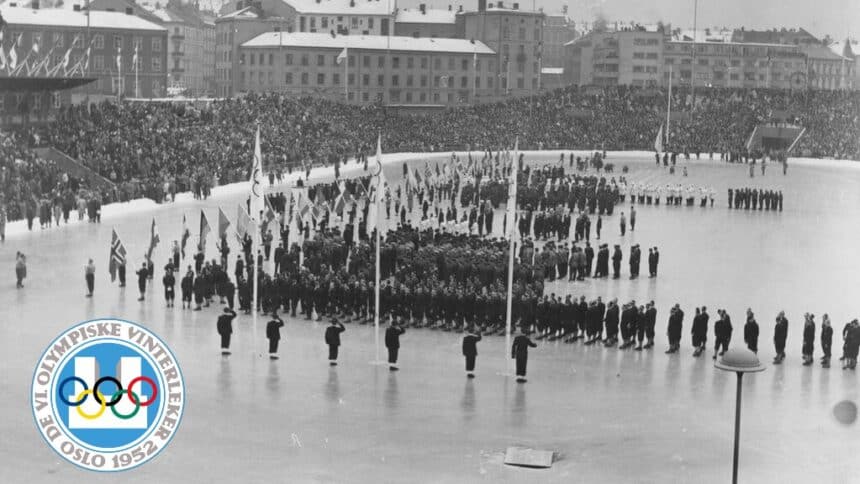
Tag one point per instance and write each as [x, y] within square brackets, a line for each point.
[13, 65]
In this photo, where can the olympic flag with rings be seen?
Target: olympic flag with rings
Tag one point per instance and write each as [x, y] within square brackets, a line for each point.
[108, 395]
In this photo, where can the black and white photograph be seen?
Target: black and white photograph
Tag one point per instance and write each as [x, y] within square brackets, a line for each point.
[487, 241]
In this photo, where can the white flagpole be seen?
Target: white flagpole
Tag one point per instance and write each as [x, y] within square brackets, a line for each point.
[255, 241]
[668, 108]
[511, 224]
[346, 76]
[378, 241]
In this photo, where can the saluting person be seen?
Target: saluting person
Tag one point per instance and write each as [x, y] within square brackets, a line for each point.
[142, 276]
[225, 329]
[273, 334]
[470, 350]
[392, 342]
[332, 339]
[520, 351]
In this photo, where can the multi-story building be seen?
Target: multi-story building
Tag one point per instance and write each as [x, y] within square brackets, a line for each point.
[424, 22]
[394, 70]
[112, 39]
[515, 36]
[643, 57]
[626, 57]
[824, 69]
[236, 27]
[191, 42]
[558, 30]
[343, 17]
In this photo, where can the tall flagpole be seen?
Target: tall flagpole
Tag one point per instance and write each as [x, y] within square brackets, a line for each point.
[512, 200]
[256, 179]
[668, 108]
[346, 76]
[378, 240]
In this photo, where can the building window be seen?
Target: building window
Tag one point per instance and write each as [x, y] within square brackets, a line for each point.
[423, 62]
[320, 60]
[409, 81]
[520, 83]
[156, 64]
[365, 96]
[410, 62]
[99, 62]
[304, 59]
[437, 63]
[409, 97]
[380, 62]
[253, 58]
[117, 42]
[99, 41]
[288, 59]
[58, 39]
[423, 97]
[380, 80]
[320, 79]
[395, 62]
[435, 97]
[288, 78]
[351, 79]
[395, 80]
[335, 79]
[324, 22]
[450, 63]
[423, 81]
[365, 79]
[490, 82]
[55, 100]
[262, 59]
[370, 22]
[395, 96]
[351, 96]
[304, 78]
[464, 81]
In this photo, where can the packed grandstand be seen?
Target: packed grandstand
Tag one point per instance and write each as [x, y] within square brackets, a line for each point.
[147, 148]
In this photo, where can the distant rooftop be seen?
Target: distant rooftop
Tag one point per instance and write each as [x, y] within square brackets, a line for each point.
[342, 7]
[429, 16]
[367, 42]
[63, 17]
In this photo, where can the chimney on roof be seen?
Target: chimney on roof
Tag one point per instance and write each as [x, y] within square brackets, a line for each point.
[450, 8]
[516, 6]
[501, 5]
[460, 9]
[423, 8]
[129, 11]
[490, 5]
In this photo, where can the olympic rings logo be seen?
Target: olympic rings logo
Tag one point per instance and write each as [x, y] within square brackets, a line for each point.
[114, 399]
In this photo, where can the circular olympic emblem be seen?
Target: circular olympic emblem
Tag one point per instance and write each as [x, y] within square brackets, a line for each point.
[107, 395]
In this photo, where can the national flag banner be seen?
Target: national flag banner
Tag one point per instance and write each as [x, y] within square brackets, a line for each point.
[204, 230]
[243, 223]
[257, 204]
[417, 177]
[658, 142]
[223, 223]
[186, 234]
[268, 213]
[134, 57]
[154, 239]
[117, 255]
[119, 59]
[343, 54]
[317, 212]
[13, 53]
[512, 195]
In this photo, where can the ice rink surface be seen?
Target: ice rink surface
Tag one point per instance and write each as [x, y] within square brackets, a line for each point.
[611, 416]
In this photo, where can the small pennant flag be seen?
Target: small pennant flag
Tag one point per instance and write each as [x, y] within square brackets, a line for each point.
[243, 222]
[186, 234]
[117, 255]
[154, 239]
[223, 223]
[204, 230]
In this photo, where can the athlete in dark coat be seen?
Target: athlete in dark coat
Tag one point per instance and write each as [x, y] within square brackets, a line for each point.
[392, 342]
[520, 351]
[780, 333]
[332, 339]
[225, 329]
[273, 334]
[751, 332]
[470, 350]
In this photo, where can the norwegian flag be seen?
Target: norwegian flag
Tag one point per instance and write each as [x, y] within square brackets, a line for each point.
[154, 239]
[117, 255]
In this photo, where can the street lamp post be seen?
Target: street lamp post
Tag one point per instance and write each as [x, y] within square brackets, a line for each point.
[740, 361]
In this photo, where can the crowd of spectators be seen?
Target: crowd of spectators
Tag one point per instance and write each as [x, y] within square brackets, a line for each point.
[157, 149]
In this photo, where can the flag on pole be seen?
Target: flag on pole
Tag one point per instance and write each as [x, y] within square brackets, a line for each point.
[119, 59]
[2, 50]
[658, 142]
[381, 183]
[268, 213]
[186, 234]
[204, 230]
[243, 223]
[134, 57]
[223, 223]
[117, 255]
[341, 56]
[153, 238]
[257, 204]
[13, 53]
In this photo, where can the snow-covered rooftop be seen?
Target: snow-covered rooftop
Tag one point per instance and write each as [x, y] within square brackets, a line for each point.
[367, 42]
[61, 17]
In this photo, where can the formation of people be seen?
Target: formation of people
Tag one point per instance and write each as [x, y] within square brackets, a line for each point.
[755, 199]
